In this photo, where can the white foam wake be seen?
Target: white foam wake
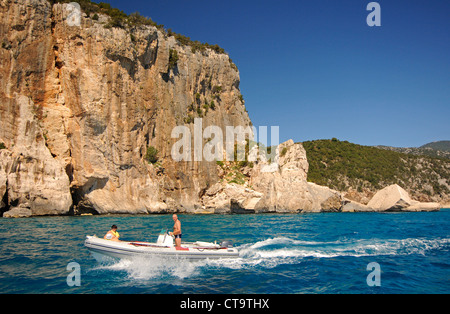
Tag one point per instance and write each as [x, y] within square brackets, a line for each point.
[149, 267]
[276, 251]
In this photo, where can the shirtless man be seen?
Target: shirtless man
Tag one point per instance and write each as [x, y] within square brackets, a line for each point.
[176, 230]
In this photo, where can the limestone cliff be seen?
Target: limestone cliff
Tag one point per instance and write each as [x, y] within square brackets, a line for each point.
[277, 185]
[80, 105]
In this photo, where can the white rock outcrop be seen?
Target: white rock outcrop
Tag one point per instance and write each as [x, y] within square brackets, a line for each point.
[395, 198]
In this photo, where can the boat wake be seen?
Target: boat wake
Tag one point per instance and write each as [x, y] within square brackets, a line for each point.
[273, 252]
[285, 248]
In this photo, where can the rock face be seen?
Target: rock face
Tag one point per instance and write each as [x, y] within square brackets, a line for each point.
[80, 105]
[230, 198]
[35, 183]
[279, 186]
[286, 189]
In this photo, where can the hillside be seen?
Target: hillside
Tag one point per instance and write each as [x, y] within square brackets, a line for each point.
[440, 149]
[439, 145]
[346, 166]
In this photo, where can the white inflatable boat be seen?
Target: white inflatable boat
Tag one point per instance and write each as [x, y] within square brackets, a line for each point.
[164, 246]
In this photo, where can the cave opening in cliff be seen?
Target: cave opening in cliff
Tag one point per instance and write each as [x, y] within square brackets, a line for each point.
[5, 202]
[80, 205]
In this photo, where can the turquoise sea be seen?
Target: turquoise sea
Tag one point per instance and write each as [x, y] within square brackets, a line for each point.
[280, 254]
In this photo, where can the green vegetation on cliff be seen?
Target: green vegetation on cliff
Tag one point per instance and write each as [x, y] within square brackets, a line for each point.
[120, 19]
[342, 165]
[152, 155]
[173, 58]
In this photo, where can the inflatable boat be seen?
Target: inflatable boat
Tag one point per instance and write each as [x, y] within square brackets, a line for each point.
[164, 246]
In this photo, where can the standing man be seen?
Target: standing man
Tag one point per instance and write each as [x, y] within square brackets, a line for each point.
[176, 230]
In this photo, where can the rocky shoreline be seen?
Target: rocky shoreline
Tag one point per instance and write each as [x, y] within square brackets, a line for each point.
[285, 190]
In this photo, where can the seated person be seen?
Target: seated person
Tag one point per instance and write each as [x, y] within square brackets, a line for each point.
[112, 234]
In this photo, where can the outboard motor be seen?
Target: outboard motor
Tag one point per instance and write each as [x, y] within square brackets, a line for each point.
[226, 243]
[165, 239]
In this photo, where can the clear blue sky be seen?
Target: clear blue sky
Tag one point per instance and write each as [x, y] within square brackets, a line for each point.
[317, 70]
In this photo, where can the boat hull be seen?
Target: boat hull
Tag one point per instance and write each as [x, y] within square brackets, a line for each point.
[128, 250]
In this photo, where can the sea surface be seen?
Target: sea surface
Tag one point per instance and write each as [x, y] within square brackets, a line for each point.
[279, 254]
